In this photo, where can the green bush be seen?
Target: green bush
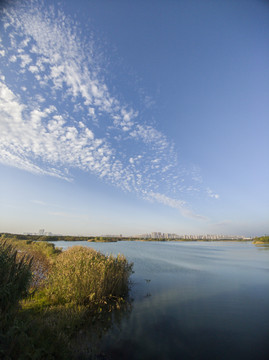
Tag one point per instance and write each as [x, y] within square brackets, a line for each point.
[82, 276]
[261, 239]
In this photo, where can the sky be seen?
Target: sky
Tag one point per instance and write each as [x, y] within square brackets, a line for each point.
[131, 117]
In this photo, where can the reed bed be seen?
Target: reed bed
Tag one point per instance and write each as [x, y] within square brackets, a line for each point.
[49, 298]
[83, 276]
[15, 278]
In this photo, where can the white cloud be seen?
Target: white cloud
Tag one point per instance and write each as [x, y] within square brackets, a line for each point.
[25, 60]
[54, 124]
[68, 215]
[38, 202]
[13, 58]
[161, 198]
[52, 142]
[212, 194]
[149, 135]
[174, 203]
[34, 69]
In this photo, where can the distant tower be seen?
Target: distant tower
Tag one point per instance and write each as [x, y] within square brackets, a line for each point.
[41, 232]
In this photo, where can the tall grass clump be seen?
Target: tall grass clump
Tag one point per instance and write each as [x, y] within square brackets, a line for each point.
[45, 248]
[15, 279]
[84, 276]
[56, 305]
[41, 254]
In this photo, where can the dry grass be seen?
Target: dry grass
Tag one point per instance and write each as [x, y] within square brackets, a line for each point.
[83, 276]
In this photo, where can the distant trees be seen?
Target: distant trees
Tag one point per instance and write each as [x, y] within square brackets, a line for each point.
[262, 239]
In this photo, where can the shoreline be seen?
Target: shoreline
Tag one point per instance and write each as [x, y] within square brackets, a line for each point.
[103, 239]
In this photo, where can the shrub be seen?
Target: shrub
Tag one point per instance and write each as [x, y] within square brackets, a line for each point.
[82, 276]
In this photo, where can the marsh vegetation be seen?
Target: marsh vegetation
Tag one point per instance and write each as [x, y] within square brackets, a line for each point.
[56, 305]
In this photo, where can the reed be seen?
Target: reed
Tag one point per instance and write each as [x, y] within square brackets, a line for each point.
[15, 278]
[49, 298]
[84, 276]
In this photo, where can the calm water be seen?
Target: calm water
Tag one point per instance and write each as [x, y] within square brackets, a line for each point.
[192, 300]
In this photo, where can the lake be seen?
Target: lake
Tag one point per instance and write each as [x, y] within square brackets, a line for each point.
[192, 300]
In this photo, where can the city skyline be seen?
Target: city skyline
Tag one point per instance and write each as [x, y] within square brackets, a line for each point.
[125, 117]
[152, 235]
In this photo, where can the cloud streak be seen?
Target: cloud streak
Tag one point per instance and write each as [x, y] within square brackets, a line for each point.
[60, 114]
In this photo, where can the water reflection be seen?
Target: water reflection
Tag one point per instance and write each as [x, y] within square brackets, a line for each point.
[262, 246]
[203, 301]
[88, 340]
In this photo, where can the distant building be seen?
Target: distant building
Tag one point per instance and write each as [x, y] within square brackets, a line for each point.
[159, 235]
[41, 232]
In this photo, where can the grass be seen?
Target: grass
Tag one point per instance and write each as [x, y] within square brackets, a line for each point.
[83, 276]
[58, 304]
[15, 277]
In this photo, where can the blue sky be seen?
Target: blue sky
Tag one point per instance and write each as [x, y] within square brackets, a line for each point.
[127, 117]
